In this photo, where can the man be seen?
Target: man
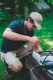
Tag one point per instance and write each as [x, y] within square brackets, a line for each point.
[15, 36]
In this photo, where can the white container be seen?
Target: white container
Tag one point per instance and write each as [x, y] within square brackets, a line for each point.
[32, 76]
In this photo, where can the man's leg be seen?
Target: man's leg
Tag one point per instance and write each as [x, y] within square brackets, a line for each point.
[16, 66]
[13, 64]
[11, 69]
[9, 74]
[24, 52]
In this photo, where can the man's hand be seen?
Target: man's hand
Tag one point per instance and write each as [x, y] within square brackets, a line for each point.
[39, 49]
[34, 40]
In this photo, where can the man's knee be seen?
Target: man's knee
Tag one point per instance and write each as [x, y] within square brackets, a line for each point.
[17, 66]
[30, 47]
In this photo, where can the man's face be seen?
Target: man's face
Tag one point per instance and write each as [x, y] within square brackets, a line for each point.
[31, 25]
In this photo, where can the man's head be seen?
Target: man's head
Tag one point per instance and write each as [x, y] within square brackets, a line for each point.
[34, 21]
[37, 18]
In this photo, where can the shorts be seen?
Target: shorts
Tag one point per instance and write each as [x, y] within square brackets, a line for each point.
[12, 56]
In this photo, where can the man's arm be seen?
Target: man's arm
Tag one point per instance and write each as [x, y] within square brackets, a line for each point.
[9, 34]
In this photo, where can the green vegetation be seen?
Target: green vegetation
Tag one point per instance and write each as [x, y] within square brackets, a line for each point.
[45, 35]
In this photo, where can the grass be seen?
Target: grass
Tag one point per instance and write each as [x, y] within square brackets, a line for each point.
[46, 37]
[46, 34]
[22, 75]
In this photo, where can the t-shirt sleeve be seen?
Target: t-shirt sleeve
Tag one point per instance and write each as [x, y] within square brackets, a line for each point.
[14, 26]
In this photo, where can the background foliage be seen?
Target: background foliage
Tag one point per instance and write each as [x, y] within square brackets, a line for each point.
[15, 9]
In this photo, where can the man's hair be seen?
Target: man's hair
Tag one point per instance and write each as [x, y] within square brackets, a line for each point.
[30, 19]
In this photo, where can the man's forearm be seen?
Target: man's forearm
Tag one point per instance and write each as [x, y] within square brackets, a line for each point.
[9, 34]
[15, 37]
